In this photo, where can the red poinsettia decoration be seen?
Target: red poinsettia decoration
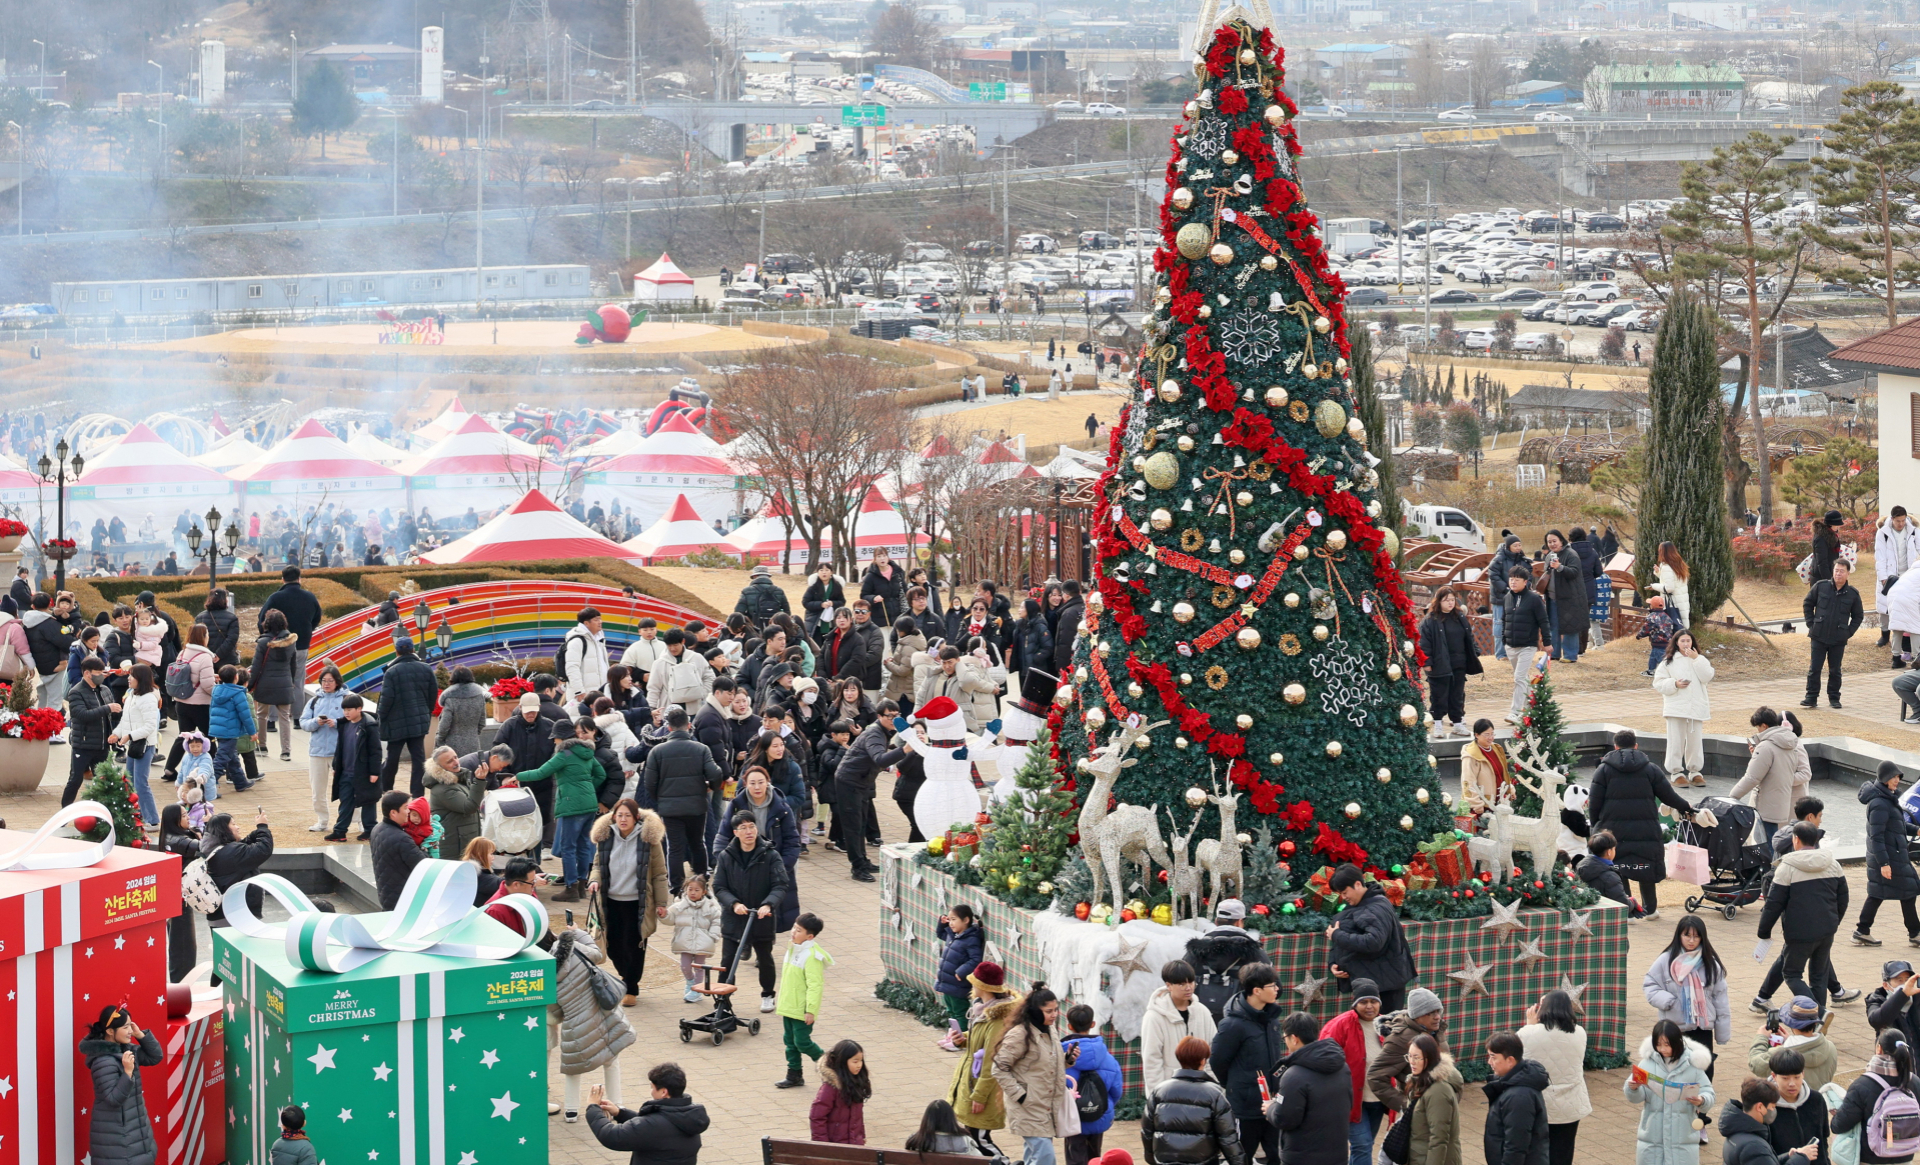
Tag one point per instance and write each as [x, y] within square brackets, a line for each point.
[510, 688]
[10, 528]
[33, 724]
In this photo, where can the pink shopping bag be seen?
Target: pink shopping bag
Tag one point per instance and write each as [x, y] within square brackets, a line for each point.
[1686, 863]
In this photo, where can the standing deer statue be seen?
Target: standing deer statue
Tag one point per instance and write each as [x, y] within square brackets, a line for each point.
[1184, 880]
[1127, 831]
[1538, 836]
[1220, 857]
[1495, 851]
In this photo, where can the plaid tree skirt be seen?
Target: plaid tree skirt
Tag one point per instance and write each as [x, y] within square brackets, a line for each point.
[1596, 964]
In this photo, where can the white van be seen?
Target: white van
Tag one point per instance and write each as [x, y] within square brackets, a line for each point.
[1446, 524]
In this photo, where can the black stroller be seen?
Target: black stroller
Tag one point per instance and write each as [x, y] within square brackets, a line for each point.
[721, 1021]
[1738, 869]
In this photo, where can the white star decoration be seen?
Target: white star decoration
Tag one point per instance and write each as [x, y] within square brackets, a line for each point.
[1579, 923]
[276, 1065]
[149, 940]
[1127, 958]
[468, 1158]
[456, 1035]
[89, 952]
[322, 1058]
[906, 932]
[489, 1058]
[453, 1088]
[1531, 954]
[532, 1023]
[346, 1114]
[6, 1086]
[119, 942]
[364, 1039]
[1505, 920]
[918, 874]
[229, 1007]
[381, 1071]
[1573, 991]
[373, 1154]
[230, 1117]
[1013, 939]
[501, 1015]
[1310, 989]
[1473, 979]
[503, 1105]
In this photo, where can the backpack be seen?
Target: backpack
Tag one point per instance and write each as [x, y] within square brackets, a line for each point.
[180, 683]
[510, 820]
[1090, 1096]
[196, 885]
[1894, 1128]
[560, 659]
[684, 683]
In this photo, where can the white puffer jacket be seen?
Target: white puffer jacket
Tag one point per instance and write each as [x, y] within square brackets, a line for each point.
[1690, 702]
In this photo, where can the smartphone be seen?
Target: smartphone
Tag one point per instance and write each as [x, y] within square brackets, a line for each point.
[259, 808]
[569, 918]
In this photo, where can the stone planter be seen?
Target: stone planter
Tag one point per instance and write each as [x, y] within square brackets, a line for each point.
[8, 542]
[22, 764]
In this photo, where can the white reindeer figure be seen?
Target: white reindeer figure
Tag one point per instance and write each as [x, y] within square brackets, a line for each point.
[1128, 831]
[1184, 880]
[1538, 836]
[1220, 857]
[1495, 851]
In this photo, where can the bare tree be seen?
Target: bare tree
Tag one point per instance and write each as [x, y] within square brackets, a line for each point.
[839, 244]
[580, 169]
[902, 35]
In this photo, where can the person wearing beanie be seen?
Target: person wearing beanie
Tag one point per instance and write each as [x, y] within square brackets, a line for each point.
[1890, 873]
[407, 695]
[1797, 1029]
[761, 599]
[1354, 1030]
[1833, 612]
[1387, 1077]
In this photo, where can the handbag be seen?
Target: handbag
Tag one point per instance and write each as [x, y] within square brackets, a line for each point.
[607, 991]
[1686, 863]
[1398, 1146]
[596, 919]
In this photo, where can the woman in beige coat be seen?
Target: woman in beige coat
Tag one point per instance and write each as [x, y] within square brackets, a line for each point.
[1772, 771]
[1484, 768]
[1032, 1071]
[899, 663]
[588, 1037]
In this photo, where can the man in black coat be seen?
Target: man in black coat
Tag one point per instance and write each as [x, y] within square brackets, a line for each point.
[1589, 556]
[1246, 1046]
[761, 599]
[302, 610]
[678, 781]
[21, 590]
[90, 717]
[1525, 630]
[1808, 899]
[1799, 1117]
[1624, 799]
[1516, 1130]
[356, 766]
[395, 853]
[1833, 613]
[824, 595]
[49, 628]
[1312, 1096]
[1064, 632]
[713, 728]
[853, 787]
[1499, 570]
[663, 1131]
[1747, 1122]
[407, 691]
[1219, 955]
[1890, 873]
[873, 649]
[1365, 940]
[750, 882]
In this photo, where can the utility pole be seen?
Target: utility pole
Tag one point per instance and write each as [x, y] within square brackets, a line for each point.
[293, 65]
[1400, 222]
[480, 188]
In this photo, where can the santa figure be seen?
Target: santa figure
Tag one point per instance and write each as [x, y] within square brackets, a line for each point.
[948, 795]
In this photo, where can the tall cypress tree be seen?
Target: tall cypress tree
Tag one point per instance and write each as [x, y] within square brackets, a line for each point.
[1684, 498]
[1373, 414]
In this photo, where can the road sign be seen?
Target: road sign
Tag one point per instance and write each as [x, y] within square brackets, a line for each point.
[987, 90]
[863, 115]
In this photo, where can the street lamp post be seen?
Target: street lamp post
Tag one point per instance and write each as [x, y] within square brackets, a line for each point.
[58, 470]
[166, 165]
[293, 67]
[218, 542]
[20, 182]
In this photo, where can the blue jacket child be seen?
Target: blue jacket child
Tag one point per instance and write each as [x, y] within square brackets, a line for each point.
[230, 713]
[1093, 1060]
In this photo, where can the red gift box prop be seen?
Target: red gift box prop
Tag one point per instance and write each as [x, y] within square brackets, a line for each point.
[1320, 889]
[1396, 891]
[73, 941]
[191, 1129]
[1448, 855]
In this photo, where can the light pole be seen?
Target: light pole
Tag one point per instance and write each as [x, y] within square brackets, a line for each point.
[55, 471]
[480, 189]
[166, 166]
[41, 88]
[20, 181]
[293, 67]
[393, 116]
[218, 542]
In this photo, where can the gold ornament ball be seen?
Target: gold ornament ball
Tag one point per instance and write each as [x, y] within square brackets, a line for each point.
[1310, 371]
[1292, 601]
[1237, 555]
[1334, 748]
[1142, 743]
[1103, 649]
[1373, 508]
[1390, 542]
[1269, 263]
[1180, 742]
[1320, 632]
[1276, 116]
[1163, 296]
[1295, 694]
[1248, 638]
[1394, 672]
[1406, 822]
[1322, 324]
[1163, 914]
[1409, 715]
[1160, 520]
[1243, 498]
[1082, 764]
[1184, 443]
[1247, 57]
[1336, 540]
[1183, 612]
[1340, 364]
[1276, 396]
[1300, 553]
[1383, 774]
[1433, 762]
[1095, 718]
[1013, 881]
[1356, 429]
[1274, 758]
[1244, 721]
[1186, 678]
[1193, 240]
[1352, 810]
[1329, 418]
[1170, 391]
[1422, 796]
[1064, 696]
[1446, 799]
[1229, 157]
[1080, 675]
[1196, 797]
[1136, 691]
[1162, 470]
[1139, 464]
[1095, 600]
[1221, 254]
[1182, 198]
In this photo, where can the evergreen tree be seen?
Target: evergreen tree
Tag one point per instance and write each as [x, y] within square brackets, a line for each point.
[111, 786]
[1539, 741]
[1683, 500]
[1866, 163]
[1373, 414]
[1246, 591]
[326, 105]
[1264, 879]
[1028, 843]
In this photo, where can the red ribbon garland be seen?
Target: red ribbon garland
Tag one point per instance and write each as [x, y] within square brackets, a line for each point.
[1266, 240]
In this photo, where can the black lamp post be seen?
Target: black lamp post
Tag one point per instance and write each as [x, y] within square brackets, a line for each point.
[218, 542]
[443, 634]
[57, 470]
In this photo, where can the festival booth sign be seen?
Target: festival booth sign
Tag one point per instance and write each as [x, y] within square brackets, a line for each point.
[83, 926]
[677, 459]
[313, 466]
[764, 538]
[137, 475]
[679, 533]
[1584, 952]
[532, 528]
[479, 467]
[413, 1035]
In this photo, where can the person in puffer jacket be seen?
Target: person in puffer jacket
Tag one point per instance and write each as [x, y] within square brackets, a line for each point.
[966, 945]
[115, 1049]
[1087, 1057]
[588, 1037]
[1311, 1096]
[1188, 1120]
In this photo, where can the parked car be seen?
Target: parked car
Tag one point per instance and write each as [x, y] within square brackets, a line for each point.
[1479, 340]
[1365, 296]
[1035, 243]
[1142, 237]
[1098, 241]
[1535, 342]
[1606, 222]
[1517, 295]
[1456, 115]
[1453, 295]
[1105, 109]
[1551, 117]
[1067, 107]
[1540, 309]
[1595, 291]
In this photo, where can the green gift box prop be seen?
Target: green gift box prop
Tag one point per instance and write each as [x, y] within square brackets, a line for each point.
[427, 1045]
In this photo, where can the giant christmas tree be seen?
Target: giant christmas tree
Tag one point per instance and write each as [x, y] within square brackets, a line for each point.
[1244, 592]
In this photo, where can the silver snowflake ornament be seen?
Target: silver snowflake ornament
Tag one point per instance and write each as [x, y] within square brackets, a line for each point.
[1347, 686]
[1248, 336]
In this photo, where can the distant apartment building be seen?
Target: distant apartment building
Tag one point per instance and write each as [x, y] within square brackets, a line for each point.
[1653, 87]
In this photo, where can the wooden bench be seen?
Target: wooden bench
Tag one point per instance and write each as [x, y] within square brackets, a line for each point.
[777, 1152]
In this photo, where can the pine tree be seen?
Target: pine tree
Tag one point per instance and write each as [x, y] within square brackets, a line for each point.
[1246, 591]
[1028, 843]
[1264, 881]
[1373, 414]
[1539, 741]
[325, 105]
[110, 786]
[1683, 500]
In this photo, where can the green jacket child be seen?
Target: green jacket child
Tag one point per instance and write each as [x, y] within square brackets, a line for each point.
[576, 778]
[803, 984]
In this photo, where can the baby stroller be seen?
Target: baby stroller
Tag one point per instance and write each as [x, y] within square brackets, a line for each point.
[510, 819]
[1738, 869]
[721, 1021]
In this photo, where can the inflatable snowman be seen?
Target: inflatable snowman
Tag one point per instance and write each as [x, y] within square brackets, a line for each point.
[948, 795]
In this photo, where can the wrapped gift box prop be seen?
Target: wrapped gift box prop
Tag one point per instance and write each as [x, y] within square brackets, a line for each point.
[415, 1035]
[191, 1129]
[83, 924]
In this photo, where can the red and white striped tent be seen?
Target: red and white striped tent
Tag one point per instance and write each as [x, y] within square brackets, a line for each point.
[313, 464]
[612, 445]
[230, 453]
[678, 533]
[766, 539]
[444, 425]
[532, 528]
[480, 467]
[676, 460]
[140, 474]
[663, 281]
[373, 448]
[879, 525]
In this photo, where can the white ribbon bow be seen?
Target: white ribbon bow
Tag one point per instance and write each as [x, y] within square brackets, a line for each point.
[25, 858]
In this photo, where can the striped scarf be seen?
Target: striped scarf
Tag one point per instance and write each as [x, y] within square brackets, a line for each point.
[1692, 989]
